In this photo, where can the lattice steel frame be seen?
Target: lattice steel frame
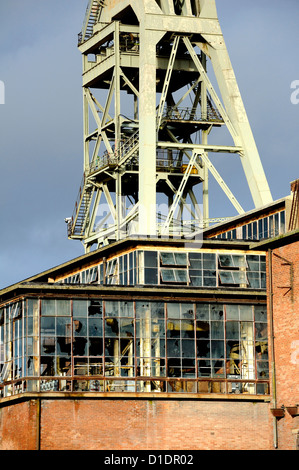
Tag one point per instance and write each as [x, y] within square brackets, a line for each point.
[169, 45]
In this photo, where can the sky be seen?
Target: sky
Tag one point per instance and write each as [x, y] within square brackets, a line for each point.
[41, 136]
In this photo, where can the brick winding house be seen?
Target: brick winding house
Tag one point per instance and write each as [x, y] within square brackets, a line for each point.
[159, 344]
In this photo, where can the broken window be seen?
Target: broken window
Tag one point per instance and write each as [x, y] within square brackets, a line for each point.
[136, 346]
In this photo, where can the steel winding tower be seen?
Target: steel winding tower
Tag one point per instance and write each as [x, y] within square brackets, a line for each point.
[149, 107]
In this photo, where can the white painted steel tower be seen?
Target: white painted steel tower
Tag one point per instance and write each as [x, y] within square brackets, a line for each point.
[149, 107]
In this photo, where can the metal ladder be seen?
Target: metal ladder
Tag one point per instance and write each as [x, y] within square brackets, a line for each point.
[92, 15]
[81, 210]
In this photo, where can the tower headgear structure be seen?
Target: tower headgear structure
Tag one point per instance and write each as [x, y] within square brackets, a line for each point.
[149, 107]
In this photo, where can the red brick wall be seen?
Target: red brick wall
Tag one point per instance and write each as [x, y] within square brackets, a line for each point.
[132, 424]
[286, 338]
[18, 426]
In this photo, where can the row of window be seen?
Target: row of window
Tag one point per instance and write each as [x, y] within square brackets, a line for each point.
[267, 227]
[55, 338]
[192, 269]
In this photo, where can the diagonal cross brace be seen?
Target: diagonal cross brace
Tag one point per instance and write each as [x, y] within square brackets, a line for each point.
[179, 193]
[167, 80]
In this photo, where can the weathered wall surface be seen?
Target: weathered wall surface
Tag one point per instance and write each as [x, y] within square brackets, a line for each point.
[285, 278]
[132, 424]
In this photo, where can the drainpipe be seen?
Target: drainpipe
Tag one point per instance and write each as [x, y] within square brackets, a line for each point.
[38, 422]
[274, 399]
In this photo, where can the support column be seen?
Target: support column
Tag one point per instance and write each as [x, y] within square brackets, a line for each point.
[233, 103]
[147, 132]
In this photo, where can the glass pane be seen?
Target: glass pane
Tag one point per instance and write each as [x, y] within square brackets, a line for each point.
[282, 222]
[181, 275]
[150, 259]
[262, 369]
[126, 328]
[173, 328]
[209, 281]
[187, 329]
[254, 280]
[226, 260]
[209, 261]
[233, 349]
[253, 262]
[187, 311]
[196, 281]
[203, 311]
[109, 347]
[232, 312]
[167, 258]
[48, 326]
[48, 307]
[173, 348]
[168, 275]
[150, 276]
[63, 327]
[217, 349]
[217, 312]
[181, 259]
[217, 330]
[80, 327]
[260, 313]
[63, 307]
[142, 308]
[246, 312]
[158, 328]
[246, 332]
[96, 366]
[111, 308]
[126, 309]
[32, 307]
[195, 261]
[173, 310]
[157, 310]
[232, 330]
[226, 277]
[261, 331]
[95, 327]
[111, 327]
[240, 277]
[80, 308]
[187, 348]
